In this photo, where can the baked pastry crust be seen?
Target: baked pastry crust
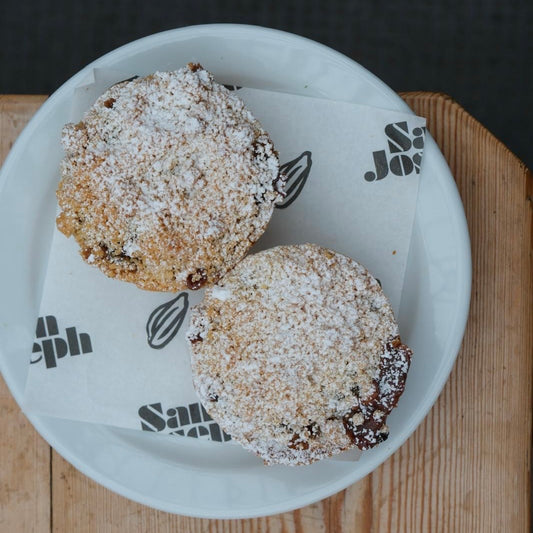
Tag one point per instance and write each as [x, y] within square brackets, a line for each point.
[296, 354]
[167, 181]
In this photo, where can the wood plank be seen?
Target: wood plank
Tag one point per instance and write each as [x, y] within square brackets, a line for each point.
[467, 466]
[24, 455]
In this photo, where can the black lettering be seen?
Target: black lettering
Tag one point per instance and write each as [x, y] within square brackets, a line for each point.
[57, 347]
[398, 134]
[151, 419]
[85, 342]
[183, 414]
[194, 410]
[49, 354]
[172, 422]
[214, 429]
[205, 414]
[382, 167]
[417, 160]
[73, 343]
[202, 431]
[418, 141]
[40, 331]
[401, 165]
[36, 349]
[51, 325]
[61, 347]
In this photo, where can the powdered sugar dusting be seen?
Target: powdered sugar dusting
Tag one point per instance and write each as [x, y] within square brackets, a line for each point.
[165, 175]
[300, 349]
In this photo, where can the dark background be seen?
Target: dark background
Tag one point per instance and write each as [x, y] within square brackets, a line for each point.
[479, 52]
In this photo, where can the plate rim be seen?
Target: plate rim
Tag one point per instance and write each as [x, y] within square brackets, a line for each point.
[454, 339]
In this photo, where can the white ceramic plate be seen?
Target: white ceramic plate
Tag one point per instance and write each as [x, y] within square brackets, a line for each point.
[184, 475]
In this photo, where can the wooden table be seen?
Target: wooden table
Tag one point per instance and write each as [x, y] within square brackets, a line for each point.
[465, 469]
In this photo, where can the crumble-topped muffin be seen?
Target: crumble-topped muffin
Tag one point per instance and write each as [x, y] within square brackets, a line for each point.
[296, 354]
[167, 181]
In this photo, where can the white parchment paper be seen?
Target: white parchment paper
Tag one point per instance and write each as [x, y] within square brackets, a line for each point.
[354, 175]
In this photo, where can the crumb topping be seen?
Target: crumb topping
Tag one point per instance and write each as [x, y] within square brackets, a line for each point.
[296, 354]
[166, 176]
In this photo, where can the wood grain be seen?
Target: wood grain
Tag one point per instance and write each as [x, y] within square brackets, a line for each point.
[467, 466]
[24, 455]
[477, 441]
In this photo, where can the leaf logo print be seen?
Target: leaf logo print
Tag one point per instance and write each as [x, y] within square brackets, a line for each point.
[232, 87]
[165, 321]
[134, 77]
[296, 173]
